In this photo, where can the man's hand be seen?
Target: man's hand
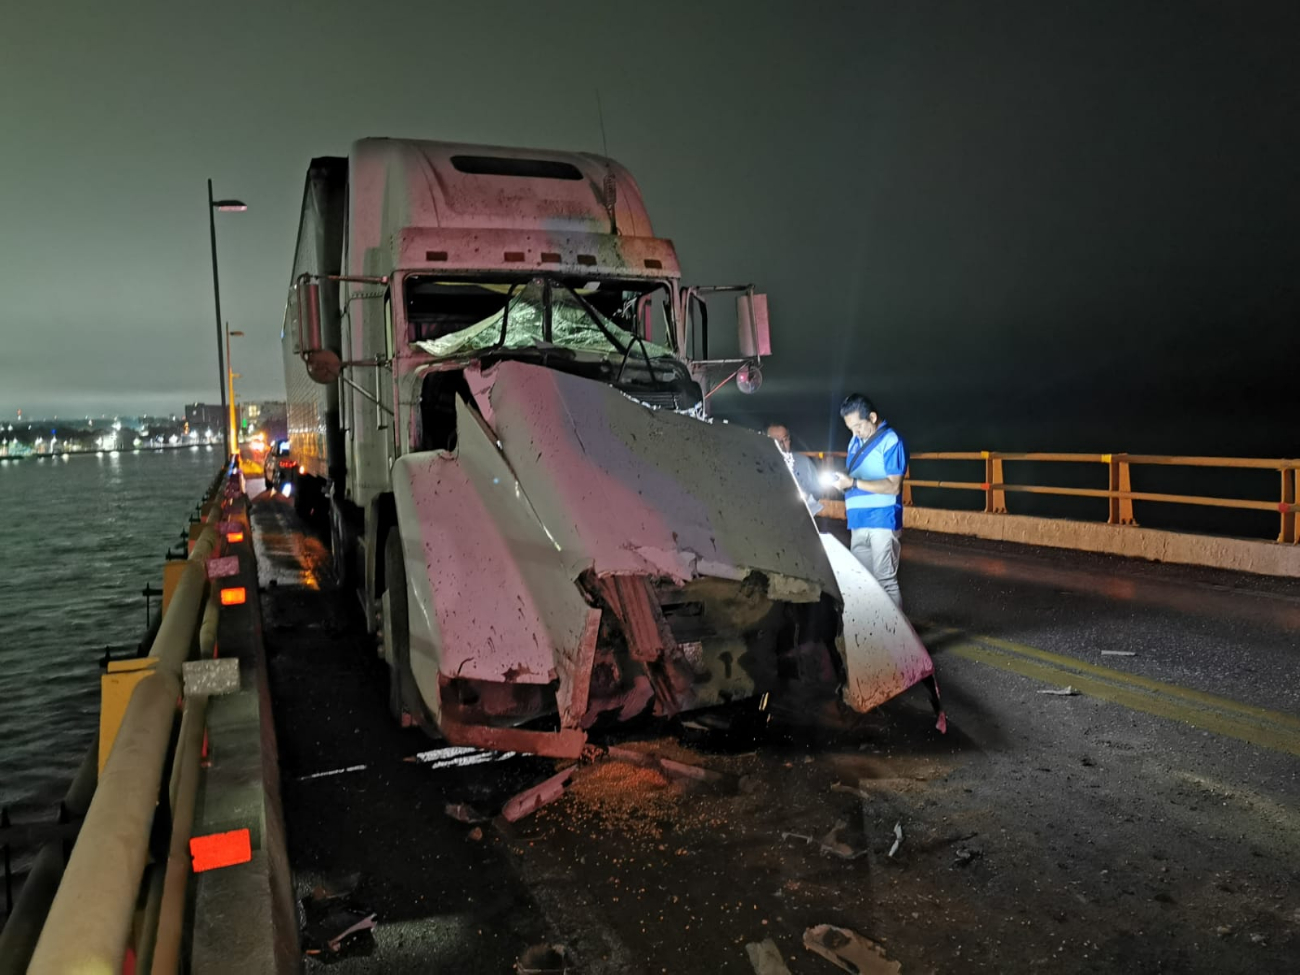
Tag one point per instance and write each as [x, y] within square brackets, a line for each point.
[843, 482]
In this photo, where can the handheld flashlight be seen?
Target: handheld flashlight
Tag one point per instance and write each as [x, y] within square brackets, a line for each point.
[827, 478]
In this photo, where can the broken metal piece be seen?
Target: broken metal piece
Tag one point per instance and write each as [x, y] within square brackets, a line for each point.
[848, 950]
[532, 799]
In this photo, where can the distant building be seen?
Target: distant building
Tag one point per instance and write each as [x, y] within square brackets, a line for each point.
[202, 417]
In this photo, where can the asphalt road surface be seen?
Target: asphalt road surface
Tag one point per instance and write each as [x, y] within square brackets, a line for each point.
[1145, 823]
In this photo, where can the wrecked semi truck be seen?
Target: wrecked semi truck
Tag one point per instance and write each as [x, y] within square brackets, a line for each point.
[497, 389]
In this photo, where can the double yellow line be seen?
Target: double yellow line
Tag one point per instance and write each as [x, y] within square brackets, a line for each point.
[1209, 712]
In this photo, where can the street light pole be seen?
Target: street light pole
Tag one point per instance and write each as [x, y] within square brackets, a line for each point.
[232, 427]
[213, 207]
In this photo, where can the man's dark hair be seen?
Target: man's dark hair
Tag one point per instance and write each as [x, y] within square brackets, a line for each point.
[857, 403]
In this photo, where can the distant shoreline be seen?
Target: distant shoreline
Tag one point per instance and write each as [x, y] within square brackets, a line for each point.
[106, 453]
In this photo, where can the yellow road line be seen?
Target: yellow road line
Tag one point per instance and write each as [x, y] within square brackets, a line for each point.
[1221, 716]
[1136, 680]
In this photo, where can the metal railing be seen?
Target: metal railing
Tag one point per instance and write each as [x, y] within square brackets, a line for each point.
[1119, 491]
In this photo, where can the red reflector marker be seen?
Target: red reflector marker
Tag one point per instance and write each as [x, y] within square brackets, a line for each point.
[234, 597]
[220, 850]
[234, 536]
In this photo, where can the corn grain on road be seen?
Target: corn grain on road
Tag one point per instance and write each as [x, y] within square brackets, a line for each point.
[1146, 823]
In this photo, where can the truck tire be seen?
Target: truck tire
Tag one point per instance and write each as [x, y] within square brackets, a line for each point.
[396, 629]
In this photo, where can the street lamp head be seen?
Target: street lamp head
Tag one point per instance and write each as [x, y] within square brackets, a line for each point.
[230, 206]
[236, 333]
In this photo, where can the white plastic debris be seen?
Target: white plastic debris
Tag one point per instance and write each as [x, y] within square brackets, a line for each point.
[766, 958]
[1066, 691]
[898, 838]
[1118, 653]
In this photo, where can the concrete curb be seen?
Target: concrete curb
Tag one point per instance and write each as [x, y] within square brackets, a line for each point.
[1237, 554]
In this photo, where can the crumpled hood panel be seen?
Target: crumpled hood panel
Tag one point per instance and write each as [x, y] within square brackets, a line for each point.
[622, 488]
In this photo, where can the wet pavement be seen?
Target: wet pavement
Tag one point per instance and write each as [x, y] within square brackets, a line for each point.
[1147, 824]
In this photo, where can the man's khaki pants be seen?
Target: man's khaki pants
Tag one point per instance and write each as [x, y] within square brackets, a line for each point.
[878, 550]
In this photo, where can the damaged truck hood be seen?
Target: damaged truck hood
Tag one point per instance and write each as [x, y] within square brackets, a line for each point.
[625, 489]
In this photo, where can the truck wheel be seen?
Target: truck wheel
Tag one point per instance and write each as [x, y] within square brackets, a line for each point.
[397, 628]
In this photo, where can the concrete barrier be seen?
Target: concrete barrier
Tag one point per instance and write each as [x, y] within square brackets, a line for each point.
[1237, 554]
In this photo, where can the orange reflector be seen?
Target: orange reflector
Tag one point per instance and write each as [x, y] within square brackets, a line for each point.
[234, 536]
[234, 597]
[220, 850]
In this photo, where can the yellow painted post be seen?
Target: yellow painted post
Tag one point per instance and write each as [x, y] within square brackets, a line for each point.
[173, 569]
[907, 485]
[1125, 487]
[995, 499]
[1287, 506]
[115, 689]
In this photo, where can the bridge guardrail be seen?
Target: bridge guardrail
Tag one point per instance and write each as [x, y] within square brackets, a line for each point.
[1119, 492]
[90, 920]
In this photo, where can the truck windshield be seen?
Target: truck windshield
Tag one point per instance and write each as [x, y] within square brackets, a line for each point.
[578, 325]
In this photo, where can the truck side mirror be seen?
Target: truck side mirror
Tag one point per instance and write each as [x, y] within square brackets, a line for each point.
[309, 327]
[323, 366]
[751, 317]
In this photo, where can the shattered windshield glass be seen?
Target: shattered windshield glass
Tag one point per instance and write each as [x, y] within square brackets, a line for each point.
[587, 327]
[453, 319]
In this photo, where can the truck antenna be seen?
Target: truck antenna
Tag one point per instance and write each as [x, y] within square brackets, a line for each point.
[611, 184]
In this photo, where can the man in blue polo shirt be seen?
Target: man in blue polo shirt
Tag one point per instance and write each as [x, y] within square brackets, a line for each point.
[873, 489]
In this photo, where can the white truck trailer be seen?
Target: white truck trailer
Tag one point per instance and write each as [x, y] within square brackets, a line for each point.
[494, 381]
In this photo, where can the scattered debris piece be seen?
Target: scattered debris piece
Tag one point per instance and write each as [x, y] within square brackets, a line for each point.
[1118, 653]
[1066, 691]
[830, 843]
[544, 960]
[463, 812]
[851, 790]
[476, 834]
[532, 799]
[748, 784]
[965, 855]
[766, 958]
[1223, 930]
[457, 755]
[1258, 939]
[671, 768]
[849, 951]
[898, 838]
[331, 923]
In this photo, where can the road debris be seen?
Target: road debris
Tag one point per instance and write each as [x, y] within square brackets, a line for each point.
[898, 838]
[1066, 691]
[830, 843]
[848, 950]
[851, 790]
[544, 960]
[766, 958]
[965, 855]
[1118, 653]
[670, 767]
[332, 924]
[532, 799]
[463, 812]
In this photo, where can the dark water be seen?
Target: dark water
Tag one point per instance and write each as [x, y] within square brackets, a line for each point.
[81, 538]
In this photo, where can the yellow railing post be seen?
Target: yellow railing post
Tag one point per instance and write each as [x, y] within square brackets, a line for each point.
[1121, 509]
[907, 486]
[995, 499]
[1287, 506]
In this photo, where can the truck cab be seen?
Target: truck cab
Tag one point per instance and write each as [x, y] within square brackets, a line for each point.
[500, 384]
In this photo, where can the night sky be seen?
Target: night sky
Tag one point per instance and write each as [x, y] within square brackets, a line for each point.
[1016, 226]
